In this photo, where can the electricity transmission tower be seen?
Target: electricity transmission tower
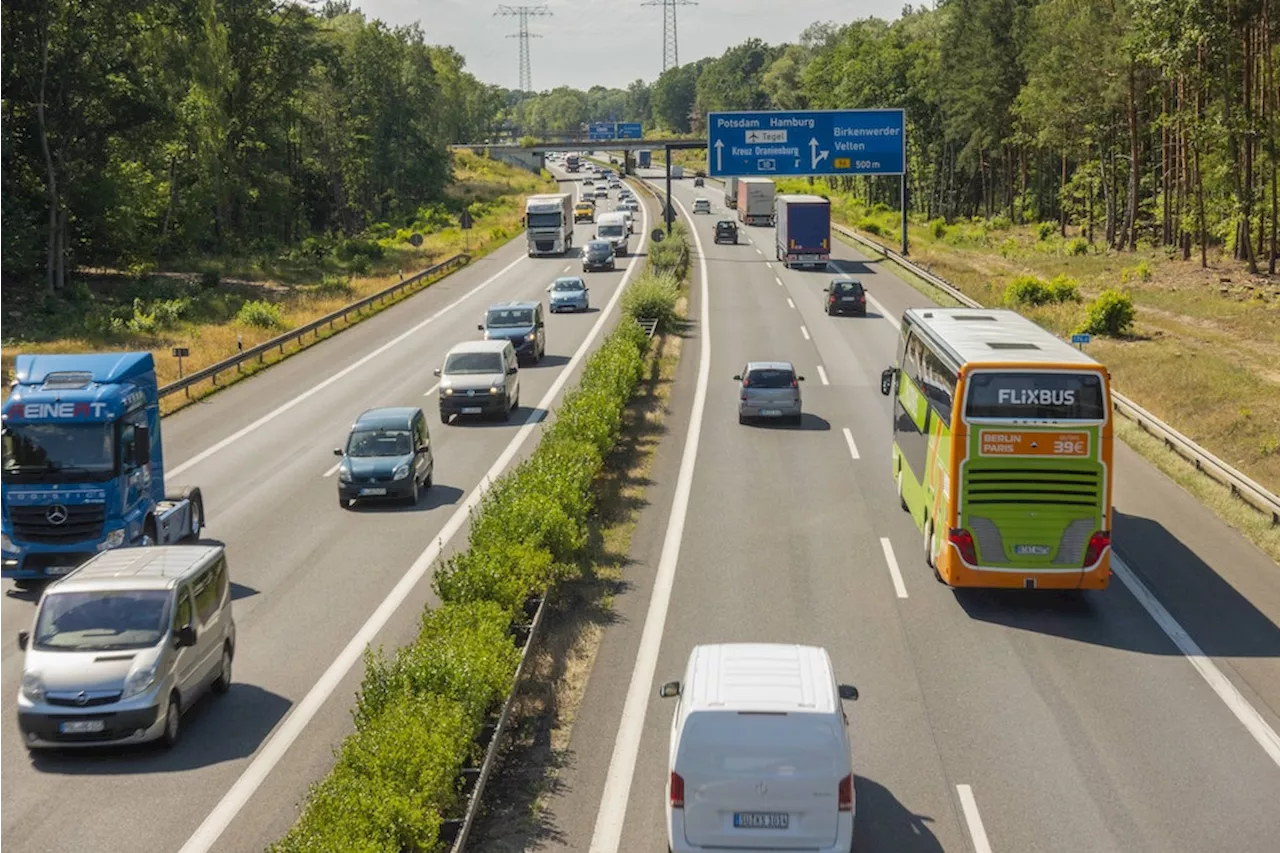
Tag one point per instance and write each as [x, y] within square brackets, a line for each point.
[524, 13]
[670, 47]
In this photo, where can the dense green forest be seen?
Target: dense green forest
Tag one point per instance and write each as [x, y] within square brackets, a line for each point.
[142, 132]
[1148, 121]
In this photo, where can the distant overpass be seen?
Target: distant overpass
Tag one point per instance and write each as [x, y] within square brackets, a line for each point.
[533, 157]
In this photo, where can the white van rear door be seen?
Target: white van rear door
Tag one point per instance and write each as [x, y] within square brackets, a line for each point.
[767, 780]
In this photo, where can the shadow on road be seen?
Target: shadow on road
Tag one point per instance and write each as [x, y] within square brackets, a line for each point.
[884, 824]
[809, 422]
[433, 498]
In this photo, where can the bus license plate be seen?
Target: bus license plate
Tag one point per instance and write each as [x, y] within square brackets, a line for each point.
[472, 410]
[761, 820]
[373, 491]
[1031, 550]
[80, 727]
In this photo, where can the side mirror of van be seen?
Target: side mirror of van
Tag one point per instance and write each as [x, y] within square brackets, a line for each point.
[337, 451]
[849, 692]
[671, 688]
[799, 378]
[480, 327]
[141, 445]
[511, 371]
[186, 636]
[737, 377]
[24, 637]
[886, 381]
[436, 372]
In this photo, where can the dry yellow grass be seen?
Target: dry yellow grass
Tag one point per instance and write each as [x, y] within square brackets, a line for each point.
[499, 189]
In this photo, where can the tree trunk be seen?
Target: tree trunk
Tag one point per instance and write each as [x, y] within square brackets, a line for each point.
[1246, 180]
[1270, 100]
[1062, 191]
[1130, 233]
[1166, 222]
[51, 175]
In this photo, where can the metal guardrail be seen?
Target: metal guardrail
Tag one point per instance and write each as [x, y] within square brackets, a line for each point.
[495, 742]
[1240, 485]
[259, 352]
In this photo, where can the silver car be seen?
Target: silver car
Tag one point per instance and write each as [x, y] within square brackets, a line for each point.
[769, 389]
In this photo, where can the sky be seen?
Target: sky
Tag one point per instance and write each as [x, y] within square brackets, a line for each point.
[587, 43]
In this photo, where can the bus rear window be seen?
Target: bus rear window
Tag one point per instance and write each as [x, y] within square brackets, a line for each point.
[1035, 396]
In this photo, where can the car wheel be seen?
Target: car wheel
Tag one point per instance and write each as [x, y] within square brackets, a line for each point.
[343, 502]
[742, 419]
[172, 722]
[223, 682]
[414, 493]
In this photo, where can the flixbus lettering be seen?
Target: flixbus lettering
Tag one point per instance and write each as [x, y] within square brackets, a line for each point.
[1037, 396]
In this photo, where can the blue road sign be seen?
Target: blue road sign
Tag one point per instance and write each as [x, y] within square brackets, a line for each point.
[601, 130]
[1080, 339]
[807, 142]
[630, 130]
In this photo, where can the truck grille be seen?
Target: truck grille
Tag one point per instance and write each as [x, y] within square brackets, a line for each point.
[1048, 486]
[33, 524]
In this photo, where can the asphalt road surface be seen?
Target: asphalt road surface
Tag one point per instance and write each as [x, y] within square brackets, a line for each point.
[307, 576]
[988, 721]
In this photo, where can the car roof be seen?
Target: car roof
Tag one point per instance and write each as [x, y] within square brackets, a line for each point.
[761, 676]
[844, 279]
[604, 243]
[156, 567]
[515, 304]
[770, 365]
[726, 222]
[387, 416]
[573, 278]
[480, 346]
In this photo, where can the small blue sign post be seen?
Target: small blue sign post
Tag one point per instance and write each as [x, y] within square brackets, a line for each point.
[1080, 340]
[806, 142]
[630, 130]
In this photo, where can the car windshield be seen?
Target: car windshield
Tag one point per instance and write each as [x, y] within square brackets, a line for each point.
[611, 230]
[509, 318]
[102, 621]
[847, 288]
[597, 248]
[473, 362]
[84, 450]
[380, 442]
[725, 225]
[770, 377]
[567, 285]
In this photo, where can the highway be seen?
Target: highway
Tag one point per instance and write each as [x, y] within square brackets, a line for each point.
[1006, 722]
[307, 576]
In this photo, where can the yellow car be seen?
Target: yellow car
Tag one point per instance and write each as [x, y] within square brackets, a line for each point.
[584, 211]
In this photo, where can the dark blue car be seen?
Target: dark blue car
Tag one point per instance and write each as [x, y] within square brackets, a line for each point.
[387, 455]
[522, 324]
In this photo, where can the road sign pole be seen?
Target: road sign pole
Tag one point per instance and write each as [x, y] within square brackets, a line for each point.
[667, 201]
[904, 209]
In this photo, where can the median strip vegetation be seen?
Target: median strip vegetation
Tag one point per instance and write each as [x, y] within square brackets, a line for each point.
[424, 715]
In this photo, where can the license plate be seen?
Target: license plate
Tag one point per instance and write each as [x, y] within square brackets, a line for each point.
[809, 259]
[472, 410]
[60, 570]
[373, 491]
[771, 412]
[761, 820]
[1031, 550]
[79, 727]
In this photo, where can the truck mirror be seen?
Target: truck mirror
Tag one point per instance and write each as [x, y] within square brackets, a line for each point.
[886, 381]
[23, 638]
[848, 692]
[141, 445]
[671, 688]
[337, 451]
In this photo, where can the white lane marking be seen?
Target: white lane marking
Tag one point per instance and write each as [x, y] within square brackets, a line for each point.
[789, 302]
[566, 269]
[1219, 683]
[971, 816]
[334, 469]
[805, 332]
[207, 834]
[822, 374]
[769, 264]
[758, 252]
[853, 448]
[433, 389]
[355, 365]
[607, 835]
[778, 280]
[898, 585]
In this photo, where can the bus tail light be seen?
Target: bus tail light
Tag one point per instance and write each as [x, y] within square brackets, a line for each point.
[677, 790]
[846, 793]
[963, 540]
[1098, 543]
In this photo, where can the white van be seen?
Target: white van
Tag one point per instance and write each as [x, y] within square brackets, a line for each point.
[614, 228]
[760, 757]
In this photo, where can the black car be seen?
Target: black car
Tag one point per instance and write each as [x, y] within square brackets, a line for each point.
[387, 455]
[726, 231]
[846, 296]
[598, 255]
[521, 323]
[697, 182]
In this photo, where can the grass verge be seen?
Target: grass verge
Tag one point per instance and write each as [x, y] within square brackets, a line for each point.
[211, 306]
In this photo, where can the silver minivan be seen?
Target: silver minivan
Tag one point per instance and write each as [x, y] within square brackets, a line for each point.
[479, 378]
[769, 389]
[120, 648]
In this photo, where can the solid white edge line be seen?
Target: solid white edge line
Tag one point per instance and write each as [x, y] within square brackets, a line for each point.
[973, 818]
[1218, 683]
[822, 374]
[433, 389]
[207, 834]
[355, 365]
[805, 332]
[334, 469]
[790, 302]
[898, 585]
[607, 835]
[853, 447]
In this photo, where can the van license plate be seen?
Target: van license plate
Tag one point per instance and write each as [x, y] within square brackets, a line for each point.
[761, 820]
[79, 727]
[472, 410]
[373, 491]
[771, 412]
[1031, 550]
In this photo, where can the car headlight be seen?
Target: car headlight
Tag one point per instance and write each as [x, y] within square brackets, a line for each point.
[344, 474]
[33, 687]
[495, 389]
[114, 539]
[138, 681]
[531, 336]
[448, 392]
[401, 472]
[6, 543]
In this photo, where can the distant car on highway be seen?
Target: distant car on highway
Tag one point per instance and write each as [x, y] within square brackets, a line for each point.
[769, 390]
[699, 182]
[584, 210]
[846, 296]
[760, 743]
[569, 293]
[479, 378]
[521, 323]
[726, 231]
[598, 255]
[602, 191]
[615, 184]
[588, 183]
[387, 455]
[701, 205]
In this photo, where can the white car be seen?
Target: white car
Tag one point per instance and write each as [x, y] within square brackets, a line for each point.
[701, 205]
[760, 756]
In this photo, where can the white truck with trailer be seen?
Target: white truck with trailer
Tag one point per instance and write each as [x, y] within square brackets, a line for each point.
[755, 201]
[548, 222]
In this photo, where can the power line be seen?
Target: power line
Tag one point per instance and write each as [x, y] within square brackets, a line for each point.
[670, 45]
[524, 13]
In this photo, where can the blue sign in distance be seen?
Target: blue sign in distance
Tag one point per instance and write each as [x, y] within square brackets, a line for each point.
[806, 142]
[1080, 339]
[630, 130]
[600, 130]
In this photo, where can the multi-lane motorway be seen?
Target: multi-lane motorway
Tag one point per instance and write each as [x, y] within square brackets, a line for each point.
[987, 722]
[308, 577]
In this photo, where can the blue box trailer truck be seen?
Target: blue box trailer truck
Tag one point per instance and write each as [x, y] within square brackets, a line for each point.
[803, 230]
[644, 159]
[84, 464]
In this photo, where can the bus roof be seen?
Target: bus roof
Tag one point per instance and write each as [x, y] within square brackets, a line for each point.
[988, 335]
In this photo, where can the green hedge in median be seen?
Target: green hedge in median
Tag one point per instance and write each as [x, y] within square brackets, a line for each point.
[419, 715]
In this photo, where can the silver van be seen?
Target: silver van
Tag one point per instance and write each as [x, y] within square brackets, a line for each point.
[124, 645]
[479, 378]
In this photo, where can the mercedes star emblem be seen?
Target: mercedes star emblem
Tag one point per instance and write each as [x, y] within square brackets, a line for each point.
[57, 514]
[82, 698]
[762, 788]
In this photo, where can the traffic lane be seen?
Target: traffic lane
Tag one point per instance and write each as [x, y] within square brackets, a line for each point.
[300, 599]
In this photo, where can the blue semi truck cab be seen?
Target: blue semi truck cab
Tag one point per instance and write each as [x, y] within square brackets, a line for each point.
[84, 465]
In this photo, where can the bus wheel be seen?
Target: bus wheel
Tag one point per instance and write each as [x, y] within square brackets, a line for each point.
[901, 500]
[928, 552]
